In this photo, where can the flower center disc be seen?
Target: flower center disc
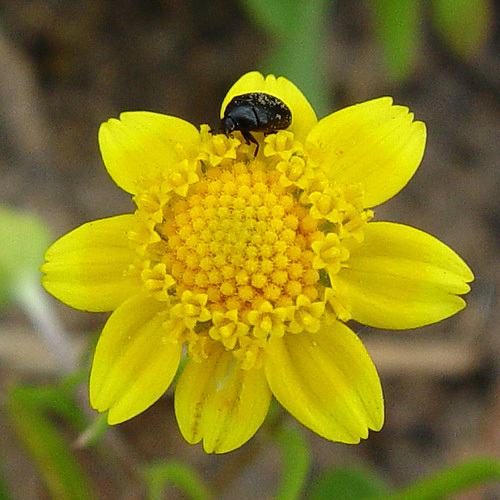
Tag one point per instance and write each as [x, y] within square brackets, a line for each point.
[241, 249]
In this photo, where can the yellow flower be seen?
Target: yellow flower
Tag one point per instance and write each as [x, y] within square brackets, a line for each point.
[254, 263]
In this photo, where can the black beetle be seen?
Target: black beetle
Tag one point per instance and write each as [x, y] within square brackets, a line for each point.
[255, 112]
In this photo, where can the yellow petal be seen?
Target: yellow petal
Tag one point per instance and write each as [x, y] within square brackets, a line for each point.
[134, 361]
[86, 267]
[140, 145]
[373, 143]
[303, 116]
[402, 278]
[217, 401]
[327, 381]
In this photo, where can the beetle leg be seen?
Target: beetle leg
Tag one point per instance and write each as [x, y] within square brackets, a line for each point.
[250, 138]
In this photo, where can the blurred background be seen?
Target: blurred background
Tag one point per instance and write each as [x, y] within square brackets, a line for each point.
[67, 66]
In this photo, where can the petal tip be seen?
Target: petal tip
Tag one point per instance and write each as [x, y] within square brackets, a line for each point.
[114, 419]
[467, 275]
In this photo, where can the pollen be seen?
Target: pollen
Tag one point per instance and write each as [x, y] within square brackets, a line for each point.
[243, 248]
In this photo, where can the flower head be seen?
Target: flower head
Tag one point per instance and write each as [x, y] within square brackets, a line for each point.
[254, 263]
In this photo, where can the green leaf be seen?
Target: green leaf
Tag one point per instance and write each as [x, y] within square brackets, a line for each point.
[347, 484]
[24, 239]
[180, 475]
[464, 24]
[450, 481]
[397, 27]
[56, 399]
[272, 15]
[49, 451]
[299, 31]
[296, 460]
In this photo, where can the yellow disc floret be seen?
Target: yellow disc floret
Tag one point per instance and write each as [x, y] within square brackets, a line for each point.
[243, 248]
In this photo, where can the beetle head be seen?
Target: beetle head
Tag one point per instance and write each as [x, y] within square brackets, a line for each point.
[227, 125]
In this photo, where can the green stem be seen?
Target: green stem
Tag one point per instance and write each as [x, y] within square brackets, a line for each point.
[452, 480]
[296, 460]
